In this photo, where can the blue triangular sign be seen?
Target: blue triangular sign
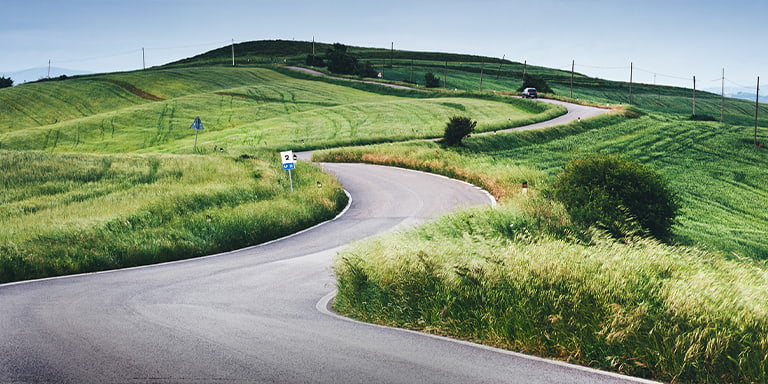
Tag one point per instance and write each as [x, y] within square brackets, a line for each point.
[197, 124]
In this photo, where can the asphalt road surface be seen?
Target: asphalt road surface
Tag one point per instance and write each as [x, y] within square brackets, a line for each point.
[256, 315]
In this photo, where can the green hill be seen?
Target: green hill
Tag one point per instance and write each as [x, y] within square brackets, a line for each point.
[244, 109]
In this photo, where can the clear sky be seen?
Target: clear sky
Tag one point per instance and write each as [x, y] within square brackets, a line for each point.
[668, 41]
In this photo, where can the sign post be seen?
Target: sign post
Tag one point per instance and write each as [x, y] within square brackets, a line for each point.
[289, 162]
[197, 126]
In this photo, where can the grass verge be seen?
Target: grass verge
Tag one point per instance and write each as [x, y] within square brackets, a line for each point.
[73, 213]
[516, 277]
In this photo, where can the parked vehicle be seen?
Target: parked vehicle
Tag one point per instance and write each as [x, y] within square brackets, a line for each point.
[530, 93]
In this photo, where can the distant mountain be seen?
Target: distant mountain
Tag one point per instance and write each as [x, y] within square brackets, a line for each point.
[33, 74]
[748, 96]
[737, 93]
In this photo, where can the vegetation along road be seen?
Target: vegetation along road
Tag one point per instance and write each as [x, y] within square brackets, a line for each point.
[258, 314]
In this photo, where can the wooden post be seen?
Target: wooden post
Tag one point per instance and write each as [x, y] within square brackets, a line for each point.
[445, 75]
[694, 96]
[498, 73]
[573, 64]
[722, 98]
[631, 67]
[757, 105]
[482, 67]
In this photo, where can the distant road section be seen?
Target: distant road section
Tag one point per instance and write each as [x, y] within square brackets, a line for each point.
[575, 111]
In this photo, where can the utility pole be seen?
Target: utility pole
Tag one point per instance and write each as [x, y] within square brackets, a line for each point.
[233, 52]
[757, 105]
[482, 67]
[525, 67]
[143, 60]
[573, 64]
[694, 96]
[313, 52]
[631, 69]
[722, 98]
[498, 73]
[411, 71]
[391, 54]
[49, 68]
[445, 75]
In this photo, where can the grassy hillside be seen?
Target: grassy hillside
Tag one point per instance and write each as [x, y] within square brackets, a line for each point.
[716, 172]
[242, 109]
[473, 73]
[75, 201]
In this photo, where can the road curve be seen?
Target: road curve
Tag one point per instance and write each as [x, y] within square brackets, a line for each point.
[251, 315]
[256, 315]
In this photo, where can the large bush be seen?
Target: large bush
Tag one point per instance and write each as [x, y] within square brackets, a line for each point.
[431, 81]
[617, 195]
[340, 61]
[457, 129]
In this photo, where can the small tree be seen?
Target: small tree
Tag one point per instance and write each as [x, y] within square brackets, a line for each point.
[457, 129]
[6, 82]
[340, 61]
[616, 194]
[367, 70]
[315, 61]
[431, 81]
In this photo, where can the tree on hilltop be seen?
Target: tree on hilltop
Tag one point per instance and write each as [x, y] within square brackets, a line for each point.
[6, 82]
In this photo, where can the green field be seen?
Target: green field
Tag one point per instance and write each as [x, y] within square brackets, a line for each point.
[242, 109]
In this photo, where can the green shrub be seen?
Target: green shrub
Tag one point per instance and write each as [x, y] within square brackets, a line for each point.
[431, 81]
[616, 194]
[457, 129]
[533, 81]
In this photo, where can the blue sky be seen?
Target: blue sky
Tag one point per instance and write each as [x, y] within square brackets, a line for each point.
[668, 41]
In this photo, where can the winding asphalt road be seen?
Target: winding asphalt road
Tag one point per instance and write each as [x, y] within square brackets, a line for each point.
[256, 315]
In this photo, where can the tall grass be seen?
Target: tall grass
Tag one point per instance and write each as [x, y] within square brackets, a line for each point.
[71, 213]
[516, 277]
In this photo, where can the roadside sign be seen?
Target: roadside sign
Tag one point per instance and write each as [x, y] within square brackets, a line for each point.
[198, 124]
[288, 158]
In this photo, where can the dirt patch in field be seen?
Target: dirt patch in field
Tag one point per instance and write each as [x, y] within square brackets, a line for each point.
[136, 91]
